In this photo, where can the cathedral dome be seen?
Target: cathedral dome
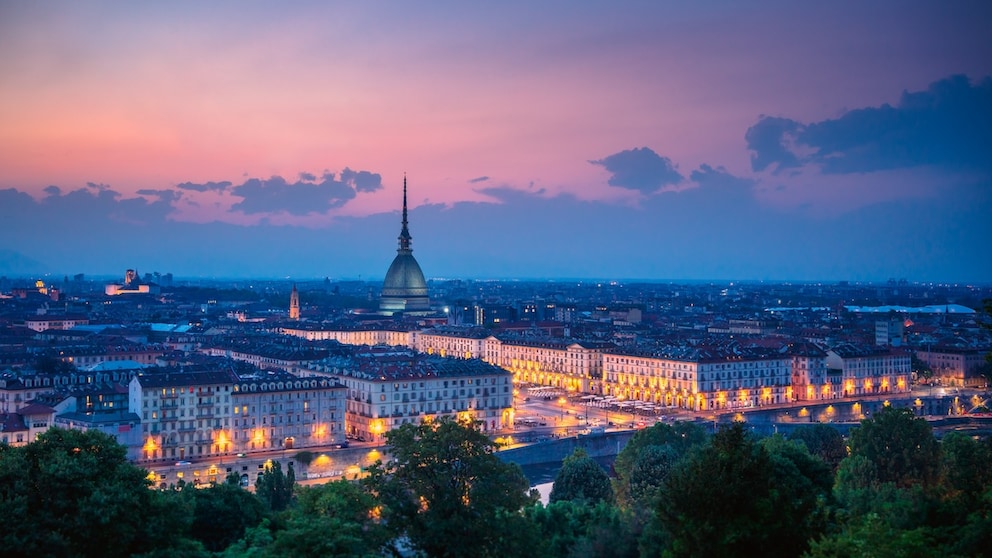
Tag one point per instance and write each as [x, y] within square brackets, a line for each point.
[404, 288]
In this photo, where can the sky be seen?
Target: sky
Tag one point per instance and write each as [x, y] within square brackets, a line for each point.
[712, 140]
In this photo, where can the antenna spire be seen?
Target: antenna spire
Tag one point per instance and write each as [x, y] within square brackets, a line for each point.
[405, 237]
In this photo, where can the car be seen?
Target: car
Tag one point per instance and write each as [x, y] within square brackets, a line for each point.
[342, 445]
[242, 455]
[183, 463]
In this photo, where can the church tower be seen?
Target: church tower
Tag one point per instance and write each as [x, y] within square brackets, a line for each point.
[404, 288]
[294, 304]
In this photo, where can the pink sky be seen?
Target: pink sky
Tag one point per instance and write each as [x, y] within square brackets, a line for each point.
[153, 95]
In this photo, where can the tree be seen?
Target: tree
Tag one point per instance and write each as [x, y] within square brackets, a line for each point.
[823, 441]
[642, 465]
[966, 466]
[222, 513]
[73, 493]
[336, 519]
[569, 529]
[581, 478]
[921, 368]
[871, 536]
[274, 488]
[733, 497]
[448, 492]
[901, 447]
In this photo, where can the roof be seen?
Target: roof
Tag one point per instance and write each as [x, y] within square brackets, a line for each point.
[35, 409]
[155, 378]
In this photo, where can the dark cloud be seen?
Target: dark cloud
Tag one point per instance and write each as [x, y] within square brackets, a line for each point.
[362, 181]
[640, 169]
[949, 126]
[308, 176]
[275, 195]
[767, 141]
[478, 179]
[52, 190]
[213, 186]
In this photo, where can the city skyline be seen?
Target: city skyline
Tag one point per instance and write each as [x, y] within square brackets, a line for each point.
[558, 140]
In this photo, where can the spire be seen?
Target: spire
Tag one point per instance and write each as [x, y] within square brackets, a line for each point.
[405, 237]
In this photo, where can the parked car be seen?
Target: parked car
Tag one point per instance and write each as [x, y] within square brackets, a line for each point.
[183, 463]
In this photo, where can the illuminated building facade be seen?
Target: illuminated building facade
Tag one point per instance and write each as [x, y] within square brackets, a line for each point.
[699, 379]
[870, 370]
[183, 414]
[389, 389]
[453, 341]
[570, 365]
[286, 412]
[361, 336]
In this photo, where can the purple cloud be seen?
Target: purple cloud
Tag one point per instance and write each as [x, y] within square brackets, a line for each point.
[949, 125]
[640, 169]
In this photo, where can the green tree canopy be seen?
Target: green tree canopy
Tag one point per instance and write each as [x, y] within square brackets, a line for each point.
[570, 529]
[448, 491]
[900, 446]
[222, 513]
[336, 519]
[823, 441]
[274, 487]
[733, 497]
[644, 462]
[581, 478]
[73, 493]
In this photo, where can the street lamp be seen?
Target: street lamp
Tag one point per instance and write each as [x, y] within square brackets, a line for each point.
[561, 405]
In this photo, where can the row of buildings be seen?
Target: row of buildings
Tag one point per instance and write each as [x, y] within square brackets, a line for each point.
[697, 378]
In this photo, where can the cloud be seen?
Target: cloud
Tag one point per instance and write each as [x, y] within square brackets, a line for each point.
[362, 181]
[640, 169]
[163, 195]
[209, 186]
[275, 195]
[478, 179]
[309, 176]
[768, 141]
[948, 126]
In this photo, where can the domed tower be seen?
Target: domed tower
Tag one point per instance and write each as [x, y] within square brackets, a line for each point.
[404, 289]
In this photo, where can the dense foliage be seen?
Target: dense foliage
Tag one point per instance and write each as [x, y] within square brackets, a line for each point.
[674, 491]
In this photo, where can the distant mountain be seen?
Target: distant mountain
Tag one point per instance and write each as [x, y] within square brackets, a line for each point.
[15, 263]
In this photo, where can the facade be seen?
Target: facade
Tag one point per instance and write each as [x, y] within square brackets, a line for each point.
[955, 366]
[43, 323]
[390, 388]
[347, 336]
[570, 365]
[870, 370]
[699, 379]
[183, 414]
[404, 288]
[810, 378]
[286, 412]
[22, 427]
[452, 341]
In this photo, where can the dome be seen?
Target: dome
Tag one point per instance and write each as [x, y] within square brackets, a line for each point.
[404, 288]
